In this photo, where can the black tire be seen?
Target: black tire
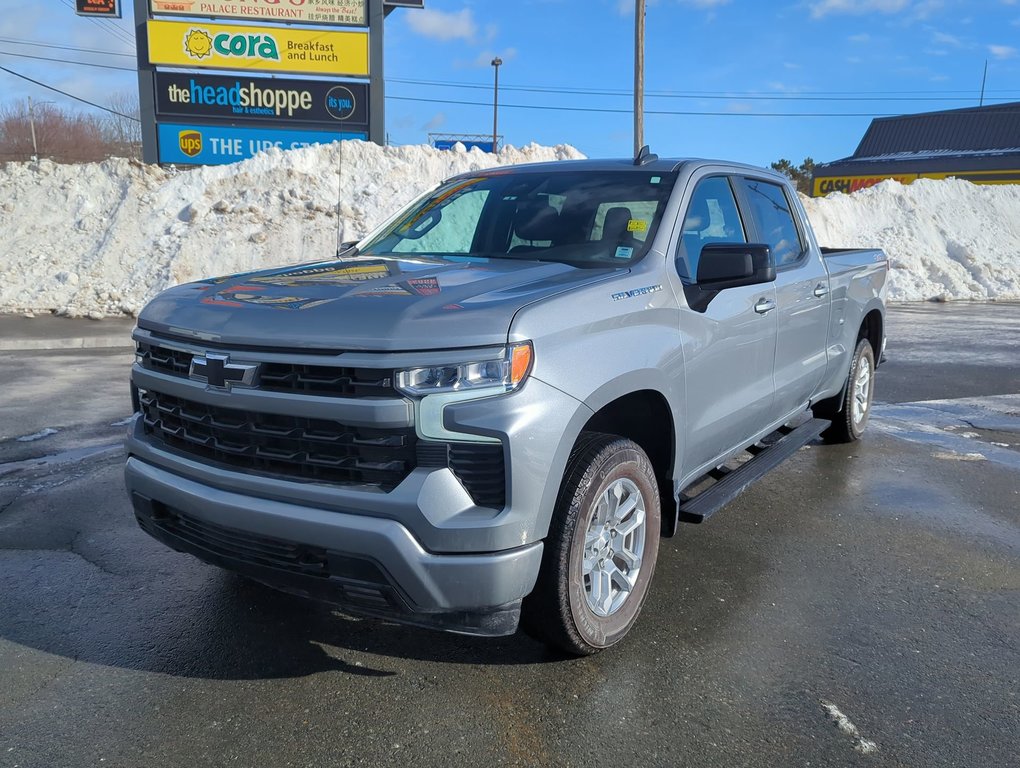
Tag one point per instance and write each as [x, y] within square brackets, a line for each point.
[851, 411]
[558, 611]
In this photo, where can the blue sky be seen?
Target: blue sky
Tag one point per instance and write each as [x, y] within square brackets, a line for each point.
[736, 58]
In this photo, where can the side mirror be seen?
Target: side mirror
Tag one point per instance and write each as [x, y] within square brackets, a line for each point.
[730, 265]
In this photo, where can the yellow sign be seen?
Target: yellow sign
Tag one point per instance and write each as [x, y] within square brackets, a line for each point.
[825, 185]
[260, 49]
[848, 184]
[343, 12]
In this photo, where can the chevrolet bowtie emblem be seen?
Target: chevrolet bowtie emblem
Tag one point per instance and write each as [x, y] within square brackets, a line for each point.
[218, 372]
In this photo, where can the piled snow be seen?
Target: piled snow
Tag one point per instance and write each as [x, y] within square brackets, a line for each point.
[104, 238]
[946, 240]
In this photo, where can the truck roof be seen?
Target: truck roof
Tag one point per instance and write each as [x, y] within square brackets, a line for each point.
[663, 165]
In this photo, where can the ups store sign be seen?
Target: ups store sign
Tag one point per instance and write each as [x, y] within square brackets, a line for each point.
[241, 99]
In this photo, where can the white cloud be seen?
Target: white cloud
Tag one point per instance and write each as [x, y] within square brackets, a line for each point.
[863, 37]
[856, 7]
[704, 3]
[940, 38]
[1002, 51]
[438, 121]
[444, 26]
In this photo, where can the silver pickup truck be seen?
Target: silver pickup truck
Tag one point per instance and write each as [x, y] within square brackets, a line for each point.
[487, 412]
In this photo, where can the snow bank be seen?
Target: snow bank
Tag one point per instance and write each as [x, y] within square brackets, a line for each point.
[945, 240]
[104, 238]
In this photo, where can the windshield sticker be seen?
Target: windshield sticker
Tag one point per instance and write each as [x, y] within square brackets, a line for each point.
[637, 225]
[624, 252]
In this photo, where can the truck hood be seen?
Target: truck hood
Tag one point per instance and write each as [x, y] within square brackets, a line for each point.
[364, 303]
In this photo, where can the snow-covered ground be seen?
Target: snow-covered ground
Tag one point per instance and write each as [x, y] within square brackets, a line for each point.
[102, 239]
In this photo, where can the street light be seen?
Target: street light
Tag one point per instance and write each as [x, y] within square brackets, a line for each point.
[496, 63]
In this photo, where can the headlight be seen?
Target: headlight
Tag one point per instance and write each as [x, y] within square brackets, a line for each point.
[506, 374]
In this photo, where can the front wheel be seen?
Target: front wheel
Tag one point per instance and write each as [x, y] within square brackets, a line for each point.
[854, 410]
[601, 550]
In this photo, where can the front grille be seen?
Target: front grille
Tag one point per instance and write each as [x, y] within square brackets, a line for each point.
[292, 447]
[325, 380]
[165, 360]
[296, 378]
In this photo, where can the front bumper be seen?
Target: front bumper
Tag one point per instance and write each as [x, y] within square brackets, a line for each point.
[426, 550]
[366, 565]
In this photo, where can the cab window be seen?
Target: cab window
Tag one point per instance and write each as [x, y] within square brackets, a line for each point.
[772, 213]
[712, 217]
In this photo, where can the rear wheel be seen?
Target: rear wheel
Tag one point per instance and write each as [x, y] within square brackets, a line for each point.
[601, 550]
[850, 416]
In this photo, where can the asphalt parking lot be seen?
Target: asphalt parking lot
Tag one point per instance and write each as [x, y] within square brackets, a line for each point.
[859, 606]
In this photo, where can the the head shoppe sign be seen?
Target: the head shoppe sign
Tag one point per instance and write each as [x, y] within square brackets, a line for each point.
[273, 49]
[262, 99]
[342, 12]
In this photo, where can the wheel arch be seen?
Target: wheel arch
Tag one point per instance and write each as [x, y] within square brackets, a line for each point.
[645, 417]
[873, 329]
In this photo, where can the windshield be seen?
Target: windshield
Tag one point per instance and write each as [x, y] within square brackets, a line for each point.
[584, 218]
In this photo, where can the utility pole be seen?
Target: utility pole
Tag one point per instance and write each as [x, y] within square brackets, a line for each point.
[496, 63]
[31, 123]
[639, 75]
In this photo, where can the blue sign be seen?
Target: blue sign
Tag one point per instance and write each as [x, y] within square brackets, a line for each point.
[485, 146]
[218, 145]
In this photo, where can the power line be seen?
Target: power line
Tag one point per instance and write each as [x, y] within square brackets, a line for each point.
[609, 110]
[112, 29]
[715, 95]
[38, 44]
[69, 95]
[65, 61]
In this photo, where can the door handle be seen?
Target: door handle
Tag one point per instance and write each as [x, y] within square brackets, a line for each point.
[764, 306]
[821, 291]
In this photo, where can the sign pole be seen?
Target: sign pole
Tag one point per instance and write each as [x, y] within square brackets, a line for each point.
[377, 91]
[146, 89]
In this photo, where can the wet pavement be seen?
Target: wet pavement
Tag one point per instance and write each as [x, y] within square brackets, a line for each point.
[858, 606]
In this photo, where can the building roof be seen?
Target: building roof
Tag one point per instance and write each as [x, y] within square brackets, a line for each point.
[957, 131]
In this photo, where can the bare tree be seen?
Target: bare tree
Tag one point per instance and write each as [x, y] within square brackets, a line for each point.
[65, 136]
[124, 130]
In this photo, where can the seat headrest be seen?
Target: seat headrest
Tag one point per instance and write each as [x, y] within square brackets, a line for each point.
[616, 223]
[537, 220]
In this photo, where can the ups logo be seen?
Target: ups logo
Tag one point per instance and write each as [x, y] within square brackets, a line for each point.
[190, 142]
